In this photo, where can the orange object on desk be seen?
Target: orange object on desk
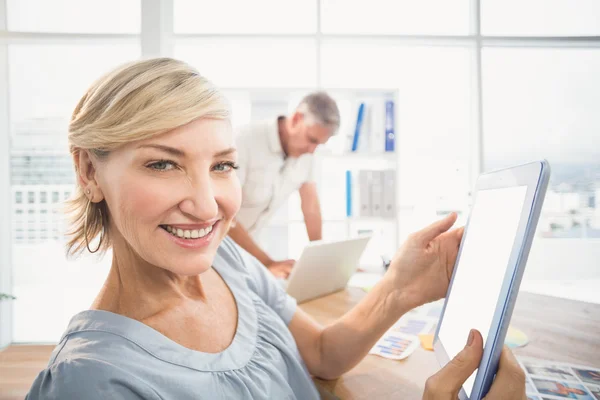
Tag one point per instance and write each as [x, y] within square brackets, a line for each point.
[426, 341]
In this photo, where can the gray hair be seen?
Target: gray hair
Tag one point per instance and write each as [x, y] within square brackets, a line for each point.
[320, 108]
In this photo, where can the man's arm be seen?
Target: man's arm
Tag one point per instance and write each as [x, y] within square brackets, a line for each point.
[311, 209]
[243, 238]
[281, 269]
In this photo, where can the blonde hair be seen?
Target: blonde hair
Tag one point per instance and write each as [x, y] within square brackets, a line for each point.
[134, 102]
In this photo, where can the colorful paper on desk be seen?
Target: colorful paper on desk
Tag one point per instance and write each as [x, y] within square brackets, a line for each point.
[401, 339]
[560, 380]
[395, 346]
[412, 325]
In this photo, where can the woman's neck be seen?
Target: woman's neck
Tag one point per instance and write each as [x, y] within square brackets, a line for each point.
[139, 290]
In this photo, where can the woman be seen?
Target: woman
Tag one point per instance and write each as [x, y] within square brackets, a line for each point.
[184, 312]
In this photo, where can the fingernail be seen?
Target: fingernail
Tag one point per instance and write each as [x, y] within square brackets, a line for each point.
[471, 337]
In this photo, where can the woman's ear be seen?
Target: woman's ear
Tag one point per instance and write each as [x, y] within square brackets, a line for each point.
[86, 175]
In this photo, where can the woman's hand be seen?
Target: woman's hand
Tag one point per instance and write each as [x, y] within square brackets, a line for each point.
[421, 269]
[509, 383]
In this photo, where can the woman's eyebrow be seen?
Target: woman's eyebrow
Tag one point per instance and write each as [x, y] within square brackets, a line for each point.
[167, 149]
[225, 152]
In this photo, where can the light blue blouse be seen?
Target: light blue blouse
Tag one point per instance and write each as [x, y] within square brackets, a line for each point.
[108, 356]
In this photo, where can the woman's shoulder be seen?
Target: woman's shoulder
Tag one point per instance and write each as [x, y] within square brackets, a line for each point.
[85, 375]
[239, 263]
[231, 254]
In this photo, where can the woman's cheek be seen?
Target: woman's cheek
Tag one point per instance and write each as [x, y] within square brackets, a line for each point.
[231, 196]
[148, 198]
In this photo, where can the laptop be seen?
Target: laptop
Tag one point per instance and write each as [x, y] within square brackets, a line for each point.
[325, 267]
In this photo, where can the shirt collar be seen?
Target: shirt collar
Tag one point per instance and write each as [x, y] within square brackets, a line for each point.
[273, 137]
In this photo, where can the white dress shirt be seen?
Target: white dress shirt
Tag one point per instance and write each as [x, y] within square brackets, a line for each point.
[267, 176]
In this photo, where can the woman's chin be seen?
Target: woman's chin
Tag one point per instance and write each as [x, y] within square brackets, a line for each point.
[189, 269]
[188, 265]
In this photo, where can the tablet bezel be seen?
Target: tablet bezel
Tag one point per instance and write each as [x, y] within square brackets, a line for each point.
[535, 176]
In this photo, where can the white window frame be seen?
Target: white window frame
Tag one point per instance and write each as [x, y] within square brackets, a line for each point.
[5, 200]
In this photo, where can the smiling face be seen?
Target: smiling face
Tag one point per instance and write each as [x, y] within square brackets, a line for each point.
[172, 198]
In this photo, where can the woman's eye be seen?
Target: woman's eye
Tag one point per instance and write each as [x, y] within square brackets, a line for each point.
[162, 165]
[225, 167]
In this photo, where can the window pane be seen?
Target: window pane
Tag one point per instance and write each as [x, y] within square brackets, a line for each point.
[540, 17]
[43, 90]
[433, 17]
[253, 63]
[434, 118]
[74, 16]
[242, 16]
[543, 103]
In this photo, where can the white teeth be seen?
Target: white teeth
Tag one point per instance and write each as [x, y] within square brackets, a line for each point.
[189, 234]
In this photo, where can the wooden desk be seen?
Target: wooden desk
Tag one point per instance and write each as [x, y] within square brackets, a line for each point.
[558, 329]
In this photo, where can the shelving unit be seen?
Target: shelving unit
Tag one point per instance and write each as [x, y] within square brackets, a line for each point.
[384, 229]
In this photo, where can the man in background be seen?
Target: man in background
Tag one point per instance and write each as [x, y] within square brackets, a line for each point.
[276, 159]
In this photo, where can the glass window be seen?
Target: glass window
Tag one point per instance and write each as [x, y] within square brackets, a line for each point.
[43, 197]
[233, 16]
[45, 83]
[540, 17]
[44, 92]
[252, 62]
[74, 16]
[431, 17]
[543, 103]
[19, 197]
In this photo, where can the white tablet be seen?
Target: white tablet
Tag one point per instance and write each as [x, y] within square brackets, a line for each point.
[489, 267]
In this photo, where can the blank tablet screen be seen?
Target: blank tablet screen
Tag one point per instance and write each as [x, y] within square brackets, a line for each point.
[483, 263]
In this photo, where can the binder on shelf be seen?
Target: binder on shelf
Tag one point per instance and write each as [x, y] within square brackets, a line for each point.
[364, 183]
[364, 137]
[389, 193]
[357, 128]
[390, 134]
[376, 193]
[348, 193]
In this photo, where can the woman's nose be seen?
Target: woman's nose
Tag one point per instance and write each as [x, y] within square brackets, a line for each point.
[201, 202]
